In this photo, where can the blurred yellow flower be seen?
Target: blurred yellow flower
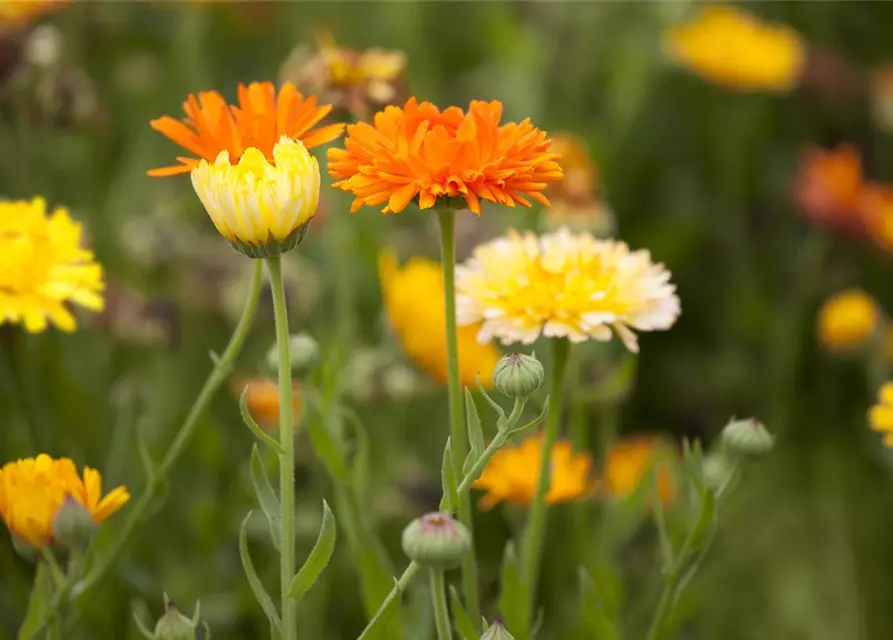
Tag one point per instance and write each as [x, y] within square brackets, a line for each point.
[43, 266]
[847, 320]
[512, 474]
[581, 179]
[17, 13]
[880, 416]
[262, 399]
[563, 285]
[594, 216]
[735, 49]
[261, 208]
[413, 302]
[632, 460]
[33, 489]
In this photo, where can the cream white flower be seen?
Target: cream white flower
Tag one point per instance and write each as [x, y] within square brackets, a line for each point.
[262, 208]
[563, 285]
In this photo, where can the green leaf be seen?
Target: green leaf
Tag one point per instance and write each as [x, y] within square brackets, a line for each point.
[475, 432]
[327, 448]
[261, 435]
[207, 629]
[142, 627]
[318, 559]
[38, 602]
[491, 401]
[599, 616]
[706, 520]
[537, 420]
[666, 548]
[360, 462]
[513, 598]
[379, 624]
[266, 496]
[461, 620]
[263, 598]
[149, 466]
[450, 501]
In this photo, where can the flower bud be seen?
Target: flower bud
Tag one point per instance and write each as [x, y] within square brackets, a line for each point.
[304, 354]
[717, 470]
[173, 625]
[497, 632]
[437, 541]
[518, 375]
[747, 438]
[73, 525]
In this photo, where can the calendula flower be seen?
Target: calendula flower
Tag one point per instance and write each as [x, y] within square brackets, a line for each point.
[847, 320]
[563, 285]
[413, 302]
[262, 208]
[581, 178]
[33, 490]
[631, 461]
[875, 211]
[512, 474]
[829, 186]
[259, 122]
[18, 13]
[733, 48]
[880, 416]
[43, 267]
[356, 80]
[424, 154]
[262, 399]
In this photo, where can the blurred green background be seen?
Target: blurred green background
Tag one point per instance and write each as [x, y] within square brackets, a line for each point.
[700, 176]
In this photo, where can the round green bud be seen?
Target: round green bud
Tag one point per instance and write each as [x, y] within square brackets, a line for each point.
[518, 375]
[304, 354]
[497, 631]
[173, 625]
[73, 525]
[747, 438]
[437, 541]
[717, 470]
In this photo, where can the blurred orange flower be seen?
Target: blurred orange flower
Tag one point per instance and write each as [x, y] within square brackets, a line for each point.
[630, 461]
[828, 186]
[17, 13]
[421, 152]
[263, 399]
[875, 208]
[581, 181]
[260, 119]
[513, 473]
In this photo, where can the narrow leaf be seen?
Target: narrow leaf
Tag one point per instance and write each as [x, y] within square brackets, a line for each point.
[450, 501]
[207, 630]
[461, 620]
[360, 461]
[379, 624]
[142, 627]
[475, 431]
[705, 522]
[537, 420]
[149, 467]
[266, 496]
[326, 448]
[597, 618]
[261, 435]
[666, 549]
[318, 559]
[263, 598]
[514, 604]
[38, 603]
[491, 401]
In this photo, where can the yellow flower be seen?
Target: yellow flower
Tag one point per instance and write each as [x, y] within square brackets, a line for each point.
[18, 13]
[627, 463]
[880, 416]
[263, 399]
[261, 208]
[413, 301]
[43, 266]
[512, 474]
[735, 49]
[33, 489]
[563, 285]
[846, 320]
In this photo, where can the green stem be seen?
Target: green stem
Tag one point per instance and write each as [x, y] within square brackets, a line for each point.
[536, 522]
[458, 436]
[438, 600]
[399, 587]
[287, 459]
[478, 468]
[218, 375]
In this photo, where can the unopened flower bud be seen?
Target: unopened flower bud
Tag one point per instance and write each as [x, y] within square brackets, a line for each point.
[437, 541]
[717, 470]
[304, 354]
[747, 438]
[518, 375]
[173, 625]
[497, 631]
[73, 525]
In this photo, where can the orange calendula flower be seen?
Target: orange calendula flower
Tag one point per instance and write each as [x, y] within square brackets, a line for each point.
[420, 152]
[875, 209]
[262, 117]
[829, 186]
[33, 490]
[733, 48]
[262, 398]
[629, 461]
[880, 416]
[413, 301]
[512, 474]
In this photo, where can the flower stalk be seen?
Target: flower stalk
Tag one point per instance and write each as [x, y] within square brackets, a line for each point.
[439, 602]
[287, 457]
[458, 437]
[536, 522]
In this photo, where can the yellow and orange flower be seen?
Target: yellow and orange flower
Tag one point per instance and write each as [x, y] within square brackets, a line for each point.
[413, 302]
[880, 416]
[32, 491]
[17, 13]
[733, 48]
[422, 152]
[513, 473]
[847, 320]
[829, 185]
[261, 118]
[262, 399]
[875, 209]
[630, 461]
